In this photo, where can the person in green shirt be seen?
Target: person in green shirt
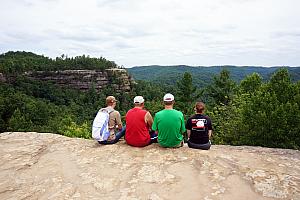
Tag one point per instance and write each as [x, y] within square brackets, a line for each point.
[169, 124]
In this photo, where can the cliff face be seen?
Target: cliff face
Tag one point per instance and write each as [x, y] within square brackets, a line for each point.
[48, 166]
[117, 79]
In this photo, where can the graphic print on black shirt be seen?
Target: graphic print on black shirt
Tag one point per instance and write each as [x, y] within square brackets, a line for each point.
[199, 126]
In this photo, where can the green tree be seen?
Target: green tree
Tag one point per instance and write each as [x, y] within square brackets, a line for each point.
[221, 91]
[18, 122]
[271, 116]
[251, 83]
[186, 93]
[280, 84]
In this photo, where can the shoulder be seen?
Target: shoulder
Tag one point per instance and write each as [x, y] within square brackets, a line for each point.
[159, 112]
[178, 112]
[147, 113]
[130, 110]
[144, 111]
[115, 113]
[207, 117]
[192, 117]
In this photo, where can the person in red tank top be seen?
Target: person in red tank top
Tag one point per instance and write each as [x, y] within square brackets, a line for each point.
[138, 125]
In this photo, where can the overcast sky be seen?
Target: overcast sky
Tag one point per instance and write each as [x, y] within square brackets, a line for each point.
[156, 32]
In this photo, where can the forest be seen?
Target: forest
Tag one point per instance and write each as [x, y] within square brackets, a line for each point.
[255, 111]
[202, 75]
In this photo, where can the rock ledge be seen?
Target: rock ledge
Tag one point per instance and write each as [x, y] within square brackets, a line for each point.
[49, 166]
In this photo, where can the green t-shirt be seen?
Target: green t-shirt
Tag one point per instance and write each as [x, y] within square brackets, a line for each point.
[170, 126]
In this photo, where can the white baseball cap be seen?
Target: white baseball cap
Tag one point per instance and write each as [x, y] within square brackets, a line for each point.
[138, 99]
[168, 97]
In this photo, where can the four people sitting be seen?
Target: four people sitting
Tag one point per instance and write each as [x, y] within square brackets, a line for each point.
[167, 128]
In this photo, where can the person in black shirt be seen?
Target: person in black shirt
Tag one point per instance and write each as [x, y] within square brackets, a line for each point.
[199, 128]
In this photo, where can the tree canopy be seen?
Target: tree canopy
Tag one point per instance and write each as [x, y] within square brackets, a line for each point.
[21, 61]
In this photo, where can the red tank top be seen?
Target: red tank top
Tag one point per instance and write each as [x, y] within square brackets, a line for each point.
[137, 132]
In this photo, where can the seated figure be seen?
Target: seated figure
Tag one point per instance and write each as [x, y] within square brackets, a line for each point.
[199, 128]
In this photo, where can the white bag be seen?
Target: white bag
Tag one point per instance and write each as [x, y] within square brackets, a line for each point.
[100, 131]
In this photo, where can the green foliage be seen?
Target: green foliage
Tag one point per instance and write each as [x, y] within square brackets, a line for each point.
[18, 62]
[150, 91]
[251, 83]
[202, 76]
[18, 122]
[186, 94]
[221, 91]
[71, 129]
[271, 117]
[28, 105]
[154, 106]
[261, 114]
[23, 112]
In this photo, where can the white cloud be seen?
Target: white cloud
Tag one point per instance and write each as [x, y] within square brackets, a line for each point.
[135, 32]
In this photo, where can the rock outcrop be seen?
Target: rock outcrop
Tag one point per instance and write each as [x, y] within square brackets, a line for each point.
[117, 79]
[49, 166]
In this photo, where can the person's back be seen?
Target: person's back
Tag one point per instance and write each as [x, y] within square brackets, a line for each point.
[115, 126]
[199, 128]
[170, 124]
[170, 127]
[138, 122]
[137, 132]
[114, 122]
[199, 125]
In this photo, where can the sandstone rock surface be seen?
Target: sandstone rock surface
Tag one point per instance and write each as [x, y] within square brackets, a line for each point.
[49, 166]
[116, 78]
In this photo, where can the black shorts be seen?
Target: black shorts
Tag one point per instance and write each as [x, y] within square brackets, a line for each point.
[199, 146]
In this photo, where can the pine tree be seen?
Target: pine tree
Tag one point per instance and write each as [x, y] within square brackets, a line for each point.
[186, 93]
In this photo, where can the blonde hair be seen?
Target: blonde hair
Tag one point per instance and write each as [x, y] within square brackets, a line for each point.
[110, 100]
[199, 107]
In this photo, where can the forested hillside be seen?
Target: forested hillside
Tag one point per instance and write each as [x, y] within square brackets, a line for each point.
[259, 109]
[21, 61]
[203, 75]
[33, 105]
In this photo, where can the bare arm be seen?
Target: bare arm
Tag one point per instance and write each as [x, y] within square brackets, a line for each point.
[118, 121]
[188, 133]
[209, 133]
[148, 119]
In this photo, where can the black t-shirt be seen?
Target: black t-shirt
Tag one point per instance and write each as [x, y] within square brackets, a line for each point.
[199, 125]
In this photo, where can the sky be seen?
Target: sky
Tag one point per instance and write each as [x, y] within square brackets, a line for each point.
[156, 32]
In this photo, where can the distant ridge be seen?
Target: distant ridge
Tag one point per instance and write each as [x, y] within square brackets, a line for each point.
[203, 75]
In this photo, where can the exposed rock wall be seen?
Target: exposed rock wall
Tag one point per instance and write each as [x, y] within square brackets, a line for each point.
[49, 166]
[117, 79]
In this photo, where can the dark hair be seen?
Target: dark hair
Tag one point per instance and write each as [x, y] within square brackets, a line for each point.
[199, 107]
[168, 102]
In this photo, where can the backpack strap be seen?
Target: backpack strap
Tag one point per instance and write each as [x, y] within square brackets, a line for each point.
[107, 109]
